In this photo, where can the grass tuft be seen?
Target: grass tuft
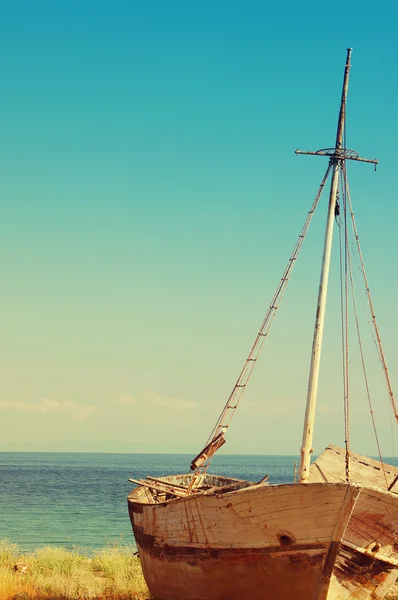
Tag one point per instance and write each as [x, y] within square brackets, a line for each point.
[8, 552]
[53, 573]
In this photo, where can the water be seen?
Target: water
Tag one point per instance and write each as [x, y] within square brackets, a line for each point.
[79, 499]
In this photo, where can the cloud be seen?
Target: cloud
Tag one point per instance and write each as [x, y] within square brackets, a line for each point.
[151, 398]
[126, 400]
[47, 405]
[170, 403]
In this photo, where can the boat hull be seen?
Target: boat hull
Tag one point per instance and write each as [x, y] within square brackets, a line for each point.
[266, 576]
[322, 540]
[360, 576]
[367, 564]
[261, 542]
[223, 575]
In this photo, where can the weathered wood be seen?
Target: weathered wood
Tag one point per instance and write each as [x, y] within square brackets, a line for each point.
[167, 483]
[305, 541]
[208, 451]
[366, 565]
[273, 537]
[393, 483]
[263, 479]
[159, 488]
[360, 575]
[330, 467]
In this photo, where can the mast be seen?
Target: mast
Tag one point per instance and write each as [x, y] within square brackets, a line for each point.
[337, 156]
[336, 160]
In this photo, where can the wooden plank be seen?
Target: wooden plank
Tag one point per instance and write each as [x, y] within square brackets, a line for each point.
[158, 488]
[167, 483]
[329, 467]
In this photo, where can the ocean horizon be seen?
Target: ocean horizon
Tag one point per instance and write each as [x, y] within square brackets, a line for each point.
[79, 499]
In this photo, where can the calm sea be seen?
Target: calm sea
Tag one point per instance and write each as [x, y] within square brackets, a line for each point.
[79, 499]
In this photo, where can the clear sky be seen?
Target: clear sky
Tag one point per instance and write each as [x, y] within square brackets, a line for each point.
[150, 198]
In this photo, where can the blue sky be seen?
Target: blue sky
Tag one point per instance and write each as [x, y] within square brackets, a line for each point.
[150, 200]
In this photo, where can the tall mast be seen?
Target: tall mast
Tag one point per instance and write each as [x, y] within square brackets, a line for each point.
[336, 160]
[336, 156]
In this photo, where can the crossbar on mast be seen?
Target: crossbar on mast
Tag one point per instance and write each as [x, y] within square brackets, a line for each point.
[343, 154]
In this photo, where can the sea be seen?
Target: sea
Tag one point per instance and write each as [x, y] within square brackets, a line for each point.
[79, 500]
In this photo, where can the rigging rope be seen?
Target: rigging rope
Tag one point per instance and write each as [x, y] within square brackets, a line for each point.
[365, 375]
[344, 257]
[375, 326]
[346, 264]
[355, 310]
[203, 459]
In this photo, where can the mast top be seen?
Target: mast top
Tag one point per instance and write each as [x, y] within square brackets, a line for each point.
[341, 122]
[339, 152]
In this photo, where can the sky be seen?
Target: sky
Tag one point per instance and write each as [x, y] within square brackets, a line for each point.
[150, 199]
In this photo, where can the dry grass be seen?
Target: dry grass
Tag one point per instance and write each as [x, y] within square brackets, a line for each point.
[57, 574]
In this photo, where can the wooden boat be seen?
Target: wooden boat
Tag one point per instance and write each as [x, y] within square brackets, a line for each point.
[330, 536]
